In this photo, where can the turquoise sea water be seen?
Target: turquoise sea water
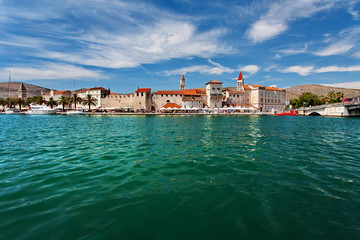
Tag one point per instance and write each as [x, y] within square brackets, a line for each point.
[179, 177]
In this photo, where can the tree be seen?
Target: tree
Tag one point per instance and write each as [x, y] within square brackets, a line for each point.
[89, 100]
[51, 102]
[3, 102]
[76, 99]
[339, 97]
[20, 102]
[63, 101]
[308, 99]
[38, 100]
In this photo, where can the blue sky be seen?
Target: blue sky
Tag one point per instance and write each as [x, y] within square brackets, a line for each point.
[125, 44]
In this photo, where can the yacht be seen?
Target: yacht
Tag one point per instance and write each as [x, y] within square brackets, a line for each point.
[75, 112]
[12, 111]
[40, 109]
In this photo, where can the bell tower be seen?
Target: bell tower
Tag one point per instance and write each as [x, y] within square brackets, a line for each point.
[22, 93]
[240, 83]
[182, 82]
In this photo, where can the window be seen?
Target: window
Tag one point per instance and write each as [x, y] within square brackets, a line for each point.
[213, 88]
[167, 101]
[142, 94]
[218, 88]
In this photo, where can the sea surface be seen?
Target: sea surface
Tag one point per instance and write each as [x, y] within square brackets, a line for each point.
[179, 177]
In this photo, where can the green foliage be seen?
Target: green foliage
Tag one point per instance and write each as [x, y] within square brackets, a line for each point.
[3, 102]
[311, 99]
[89, 100]
[63, 101]
[51, 102]
[76, 99]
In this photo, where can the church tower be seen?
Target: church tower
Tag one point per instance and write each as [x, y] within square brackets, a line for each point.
[22, 93]
[182, 82]
[240, 83]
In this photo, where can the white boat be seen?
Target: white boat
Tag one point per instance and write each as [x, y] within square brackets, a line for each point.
[40, 109]
[75, 112]
[12, 111]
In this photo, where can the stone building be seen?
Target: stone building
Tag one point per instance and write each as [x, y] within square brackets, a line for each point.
[214, 94]
[99, 93]
[22, 93]
[56, 95]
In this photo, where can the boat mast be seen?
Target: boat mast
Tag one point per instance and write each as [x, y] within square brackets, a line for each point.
[9, 89]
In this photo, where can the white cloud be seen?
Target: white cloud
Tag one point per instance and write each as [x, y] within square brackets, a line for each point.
[215, 69]
[345, 41]
[353, 85]
[276, 20]
[51, 72]
[335, 49]
[303, 71]
[251, 69]
[338, 69]
[122, 34]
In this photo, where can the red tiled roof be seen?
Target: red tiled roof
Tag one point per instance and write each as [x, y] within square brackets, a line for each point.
[97, 88]
[114, 94]
[214, 82]
[273, 88]
[171, 105]
[143, 90]
[57, 92]
[178, 92]
[196, 91]
[247, 87]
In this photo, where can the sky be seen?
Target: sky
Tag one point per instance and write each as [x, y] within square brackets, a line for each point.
[124, 44]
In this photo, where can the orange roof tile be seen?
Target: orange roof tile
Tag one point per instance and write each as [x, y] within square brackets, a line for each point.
[214, 82]
[143, 90]
[114, 94]
[171, 105]
[57, 92]
[97, 88]
[247, 87]
[178, 92]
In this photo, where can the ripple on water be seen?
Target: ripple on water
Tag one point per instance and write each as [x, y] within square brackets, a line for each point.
[179, 177]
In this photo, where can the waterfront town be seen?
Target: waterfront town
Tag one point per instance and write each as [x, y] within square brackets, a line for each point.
[211, 99]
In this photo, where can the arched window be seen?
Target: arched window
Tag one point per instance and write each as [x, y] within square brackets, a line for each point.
[167, 101]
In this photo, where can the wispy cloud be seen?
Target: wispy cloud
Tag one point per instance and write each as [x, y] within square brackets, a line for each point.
[251, 69]
[301, 70]
[345, 41]
[306, 70]
[122, 34]
[280, 13]
[51, 72]
[213, 69]
[352, 85]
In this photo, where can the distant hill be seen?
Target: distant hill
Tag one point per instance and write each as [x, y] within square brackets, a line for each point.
[296, 91]
[32, 90]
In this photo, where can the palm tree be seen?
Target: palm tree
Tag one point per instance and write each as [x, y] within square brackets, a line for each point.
[63, 101]
[89, 100]
[20, 102]
[3, 102]
[51, 102]
[331, 96]
[339, 96]
[76, 99]
[38, 100]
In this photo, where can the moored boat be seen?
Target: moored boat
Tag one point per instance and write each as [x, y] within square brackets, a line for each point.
[40, 109]
[75, 112]
[291, 113]
[12, 111]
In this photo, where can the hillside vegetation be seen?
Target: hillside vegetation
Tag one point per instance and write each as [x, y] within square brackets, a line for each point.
[296, 91]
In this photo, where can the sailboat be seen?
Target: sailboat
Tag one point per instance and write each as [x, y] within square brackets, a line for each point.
[11, 110]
